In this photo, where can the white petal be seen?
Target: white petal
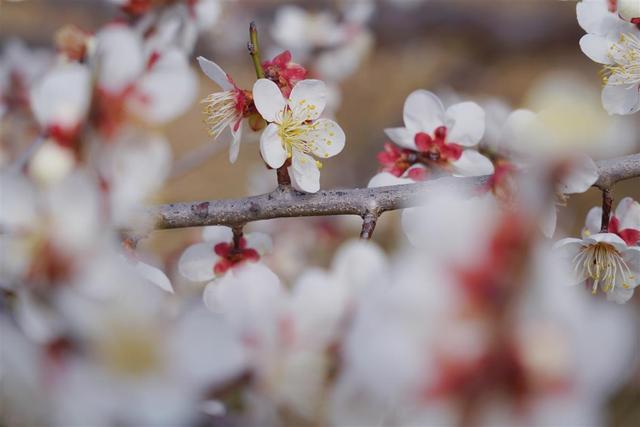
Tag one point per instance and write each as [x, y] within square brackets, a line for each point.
[18, 203]
[567, 249]
[62, 97]
[75, 212]
[268, 99]
[468, 122]
[215, 73]
[234, 148]
[423, 112]
[328, 138]
[613, 239]
[154, 275]
[197, 262]
[261, 242]
[131, 184]
[210, 296]
[621, 99]
[305, 173]
[207, 13]
[271, 146]
[582, 175]
[385, 179]
[119, 57]
[308, 99]
[472, 163]
[216, 234]
[629, 9]
[632, 259]
[402, 136]
[595, 18]
[548, 220]
[593, 222]
[628, 212]
[620, 295]
[597, 48]
[168, 89]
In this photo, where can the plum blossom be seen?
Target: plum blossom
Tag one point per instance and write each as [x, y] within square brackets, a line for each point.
[609, 260]
[296, 131]
[60, 101]
[20, 68]
[220, 253]
[227, 108]
[615, 43]
[153, 366]
[154, 86]
[434, 140]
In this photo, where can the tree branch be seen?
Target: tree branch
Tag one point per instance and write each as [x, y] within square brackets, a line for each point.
[616, 170]
[286, 202]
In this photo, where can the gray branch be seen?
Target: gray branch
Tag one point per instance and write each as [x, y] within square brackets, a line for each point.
[364, 202]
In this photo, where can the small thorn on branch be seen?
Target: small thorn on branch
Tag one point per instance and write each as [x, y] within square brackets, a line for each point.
[607, 202]
[368, 225]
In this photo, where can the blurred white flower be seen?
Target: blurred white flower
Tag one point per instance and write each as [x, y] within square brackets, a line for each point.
[296, 131]
[129, 185]
[20, 67]
[566, 121]
[60, 100]
[152, 368]
[154, 86]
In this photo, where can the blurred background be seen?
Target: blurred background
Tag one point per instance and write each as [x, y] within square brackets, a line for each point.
[460, 49]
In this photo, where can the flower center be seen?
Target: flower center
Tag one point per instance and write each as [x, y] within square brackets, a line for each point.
[435, 148]
[221, 110]
[603, 264]
[297, 134]
[626, 55]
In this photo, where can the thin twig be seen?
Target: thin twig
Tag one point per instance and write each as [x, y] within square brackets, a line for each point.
[254, 50]
[286, 202]
[237, 236]
[368, 225]
[607, 202]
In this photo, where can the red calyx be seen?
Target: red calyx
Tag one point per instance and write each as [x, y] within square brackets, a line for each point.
[629, 235]
[437, 149]
[64, 136]
[284, 72]
[231, 256]
[395, 160]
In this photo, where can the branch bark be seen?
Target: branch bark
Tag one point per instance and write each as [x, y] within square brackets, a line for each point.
[287, 202]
